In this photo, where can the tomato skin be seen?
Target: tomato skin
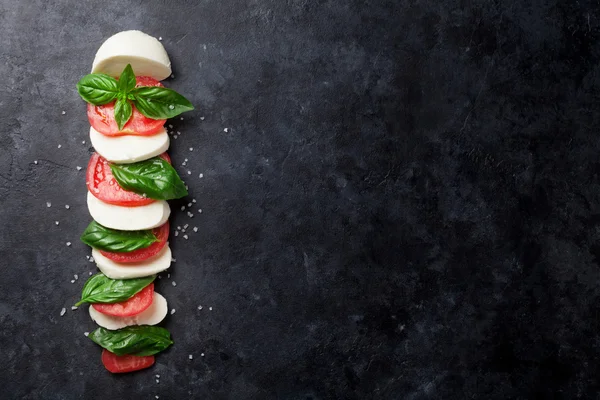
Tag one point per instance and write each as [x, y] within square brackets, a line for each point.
[135, 305]
[101, 183]
[127, 363]
[102, 118]
[161, 233]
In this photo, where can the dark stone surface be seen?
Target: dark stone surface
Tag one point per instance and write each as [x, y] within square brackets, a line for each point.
[405, 204]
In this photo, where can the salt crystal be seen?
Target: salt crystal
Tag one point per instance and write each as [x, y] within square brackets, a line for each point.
[172, 311]
[73, 308]
[160, 38]
[48, 204]
[59, 146]
[201, 176]
[199, 307]
[189, 172]
[67, 206]
[78, 168]
[195, 229]
[63, 311]
[86, 334]
[193, 200]
[201, 354]
[64, 112]
[201, 118]
[56, 222]
[182, 208]
[72, 280]
[226, 130]
[185, 237]
[174, 283]
[209, 308]
[191, 149]
[35, 162]
[176, 233]
[191, 357]
[76, 276]
[200, 210]
[170, 126]
[189, 204]
[68, 243]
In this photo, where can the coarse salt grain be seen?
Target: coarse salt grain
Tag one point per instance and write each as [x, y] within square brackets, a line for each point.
[172, 311]
[90, 273]
[78, 168]
[200, 210]
[201, 176]
[76, 276]
[191, 357]
[91, 259]
[67, 206]
[68, 243]
[226, 130]
[157, 376]
[201, 354]
[176, 233]
[35, 162]
[209, 308]
[194, 200]
[86, 334]
[195, 229]
[59, 146]
[48, 204]
[73, 308]
[83, 142]
[174, 283]
[189, 172]
[63, 311]
[64, 112]
[72, 280]
[191, 149]
[185, 226]
[181, 118]
[173, 260]
[56, 222]
[160, 38]
[185, 237]
[189, 204]
[201, 118]
[168, 275]
[182, 208]
[157, 381]
[199, 307]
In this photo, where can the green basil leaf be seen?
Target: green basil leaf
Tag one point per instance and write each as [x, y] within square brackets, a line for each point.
[142, 340]
[154, 178]
[123, 111]
[126, 80]
[159, 102]
[101, 289]
[98, 89]
[103, 238]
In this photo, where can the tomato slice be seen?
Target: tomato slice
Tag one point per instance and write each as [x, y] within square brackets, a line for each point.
[128, 363]
[102, 184]
[161, 233]
[102, 118]
[135, 305]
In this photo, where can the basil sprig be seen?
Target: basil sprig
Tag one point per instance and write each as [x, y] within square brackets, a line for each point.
[101, 289]
[155, 178]
[103, 238]
[142, 340]
[152, 101]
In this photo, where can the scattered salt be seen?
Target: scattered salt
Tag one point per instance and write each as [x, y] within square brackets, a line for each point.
[201, 118]
[35, 162]
[56, 222]
[201, 176]
[182, 208]
[68, 243]
[195, 229]
[76, 276]
[172, 311]
[67, 206]
[201, 354]
[176, 233]
[174, 283]
[90, 273]
[73, 308]
[160, 38]
[194, 200]
[191, 149]
[63, 311]
[200, 210]
[199, 307]
[191, 357]
[59, 146]
[48, 204]
[189, 204]
[189, 172]
[83, 142]
[86, 334]
[64, 112]
[209, 308]
[173, 260]
[72, 280]
[78, 168]
[185, 237]
[226, 130]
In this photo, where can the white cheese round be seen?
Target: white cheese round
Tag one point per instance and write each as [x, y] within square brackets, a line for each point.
[128, 149]
[150, 316]
[128, 218]
[115, 270]
[145, 53]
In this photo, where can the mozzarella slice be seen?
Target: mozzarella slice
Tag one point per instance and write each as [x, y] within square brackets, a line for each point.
[150, 316]
[146, 55]
[128, 218]
[128, 149]
[115, 270]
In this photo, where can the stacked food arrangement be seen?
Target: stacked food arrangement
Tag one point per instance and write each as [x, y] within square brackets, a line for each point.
[129, 180]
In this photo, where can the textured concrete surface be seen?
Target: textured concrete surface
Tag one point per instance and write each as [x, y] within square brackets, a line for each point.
[399, 199]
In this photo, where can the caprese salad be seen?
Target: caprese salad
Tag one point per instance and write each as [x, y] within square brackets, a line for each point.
[129, 180]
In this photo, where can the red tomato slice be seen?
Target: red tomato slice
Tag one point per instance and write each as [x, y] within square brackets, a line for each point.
[121, 364]
[102, 118]
[161, 233]
[102, 184]
[135, 305]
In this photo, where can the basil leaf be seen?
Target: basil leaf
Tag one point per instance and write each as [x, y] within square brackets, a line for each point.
[126, 80]
[142, 340]
[159, 102]
[101, 289]
[123, 111]
[98, 89]
[103, 238]
[155, 178]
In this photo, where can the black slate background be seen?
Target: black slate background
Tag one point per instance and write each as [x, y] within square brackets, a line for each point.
[405, 204]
